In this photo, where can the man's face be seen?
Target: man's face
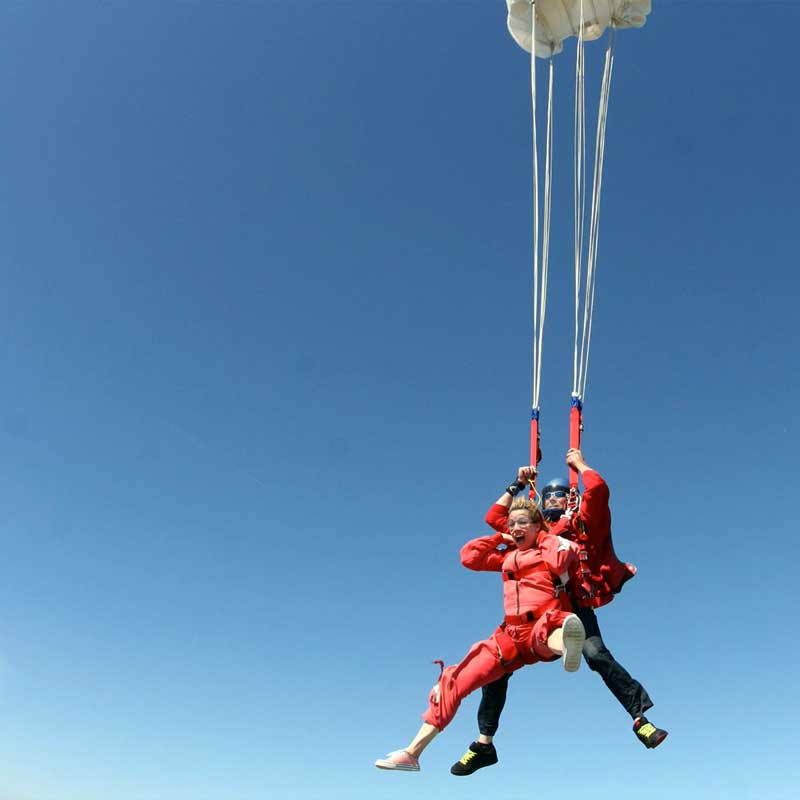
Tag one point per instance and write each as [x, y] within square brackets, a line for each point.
[555, 499]
[523, 529]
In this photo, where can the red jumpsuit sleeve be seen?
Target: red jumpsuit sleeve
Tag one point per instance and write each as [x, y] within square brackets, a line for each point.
[595, 513]
[482, 554]
[497, 518]
[560, 555]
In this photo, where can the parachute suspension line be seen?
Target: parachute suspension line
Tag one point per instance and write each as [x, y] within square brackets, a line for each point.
[534, 457]
[579, 189]
[582, 357]
[540, 265]
[548, 193]
[535, 145]
[579, 210]
[594, 225]
[541, 261]
[538, 337]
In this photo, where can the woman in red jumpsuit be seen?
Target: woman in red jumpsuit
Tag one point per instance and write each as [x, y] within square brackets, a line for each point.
[537, 627]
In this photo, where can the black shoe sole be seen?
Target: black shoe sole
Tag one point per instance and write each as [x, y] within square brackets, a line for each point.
[460, 770]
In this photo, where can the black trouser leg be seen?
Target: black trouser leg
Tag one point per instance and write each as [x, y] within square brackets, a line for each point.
[492, 701]
[630, 693]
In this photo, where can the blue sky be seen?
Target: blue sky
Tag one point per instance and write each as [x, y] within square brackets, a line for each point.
[265, 345]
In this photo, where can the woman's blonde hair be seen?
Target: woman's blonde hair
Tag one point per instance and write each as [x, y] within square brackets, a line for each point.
[524, 504]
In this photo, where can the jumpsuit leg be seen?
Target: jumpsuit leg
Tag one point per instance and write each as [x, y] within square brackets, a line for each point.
[630, 693]
[480, 666]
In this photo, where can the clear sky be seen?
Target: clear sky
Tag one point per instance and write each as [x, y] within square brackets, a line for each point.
[265, 345]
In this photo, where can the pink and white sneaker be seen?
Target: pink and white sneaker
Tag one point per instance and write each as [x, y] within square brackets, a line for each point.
[399, 759]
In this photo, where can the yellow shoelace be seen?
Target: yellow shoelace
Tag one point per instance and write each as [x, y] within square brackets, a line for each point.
[646, 730]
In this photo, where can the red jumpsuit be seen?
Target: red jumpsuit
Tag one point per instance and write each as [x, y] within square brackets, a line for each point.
[531, 615]
[605, 573]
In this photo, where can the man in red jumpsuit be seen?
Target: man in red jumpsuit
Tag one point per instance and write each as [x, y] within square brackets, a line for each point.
[602, 576]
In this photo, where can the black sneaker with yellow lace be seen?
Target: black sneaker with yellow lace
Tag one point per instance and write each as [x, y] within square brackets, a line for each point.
[647, 733]
[477, 756]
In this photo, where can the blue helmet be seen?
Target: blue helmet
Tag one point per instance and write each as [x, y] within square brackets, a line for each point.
[555, 485]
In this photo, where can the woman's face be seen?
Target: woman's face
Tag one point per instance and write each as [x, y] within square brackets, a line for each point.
[523, 529]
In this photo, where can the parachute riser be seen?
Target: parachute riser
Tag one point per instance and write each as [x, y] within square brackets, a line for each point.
[535, 452]
[575, 431]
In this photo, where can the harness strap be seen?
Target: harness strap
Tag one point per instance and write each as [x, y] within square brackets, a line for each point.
[530, 616]
[507, 650]
[585, 584]
[519, 619]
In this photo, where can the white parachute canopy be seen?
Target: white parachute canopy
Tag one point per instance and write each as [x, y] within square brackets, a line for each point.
[557, 20]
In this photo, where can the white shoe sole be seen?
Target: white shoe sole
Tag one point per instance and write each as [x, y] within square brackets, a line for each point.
[387, 763]
[381, 764]
[573, 635]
